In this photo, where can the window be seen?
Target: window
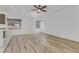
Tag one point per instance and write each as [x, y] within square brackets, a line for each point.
[38, 24]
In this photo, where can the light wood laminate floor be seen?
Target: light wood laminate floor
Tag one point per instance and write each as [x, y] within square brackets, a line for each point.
[41, 43]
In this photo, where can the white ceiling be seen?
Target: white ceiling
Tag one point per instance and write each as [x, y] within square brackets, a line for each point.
[26, 8]
[22, 10]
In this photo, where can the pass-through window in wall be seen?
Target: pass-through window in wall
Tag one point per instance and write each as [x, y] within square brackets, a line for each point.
[14, 23]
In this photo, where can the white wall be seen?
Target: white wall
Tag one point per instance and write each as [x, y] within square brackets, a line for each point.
[18, 13]
[64, 23]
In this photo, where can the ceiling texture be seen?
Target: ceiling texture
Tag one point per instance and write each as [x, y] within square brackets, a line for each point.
[23, 10]
[26, 8]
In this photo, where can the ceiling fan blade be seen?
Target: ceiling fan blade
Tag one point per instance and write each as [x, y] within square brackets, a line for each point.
[39, 6]
[43, 10]
[43, 7]
[34, 9]
[36, 6]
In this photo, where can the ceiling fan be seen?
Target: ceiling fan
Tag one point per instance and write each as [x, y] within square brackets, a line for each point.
[39, 8]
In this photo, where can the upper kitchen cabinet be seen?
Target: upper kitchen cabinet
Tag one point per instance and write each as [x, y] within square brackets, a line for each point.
[2, 21]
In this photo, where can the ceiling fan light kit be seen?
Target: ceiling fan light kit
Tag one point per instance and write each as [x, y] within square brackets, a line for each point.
[39, 8]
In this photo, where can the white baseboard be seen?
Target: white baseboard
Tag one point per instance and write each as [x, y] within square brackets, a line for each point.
[65, 37]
